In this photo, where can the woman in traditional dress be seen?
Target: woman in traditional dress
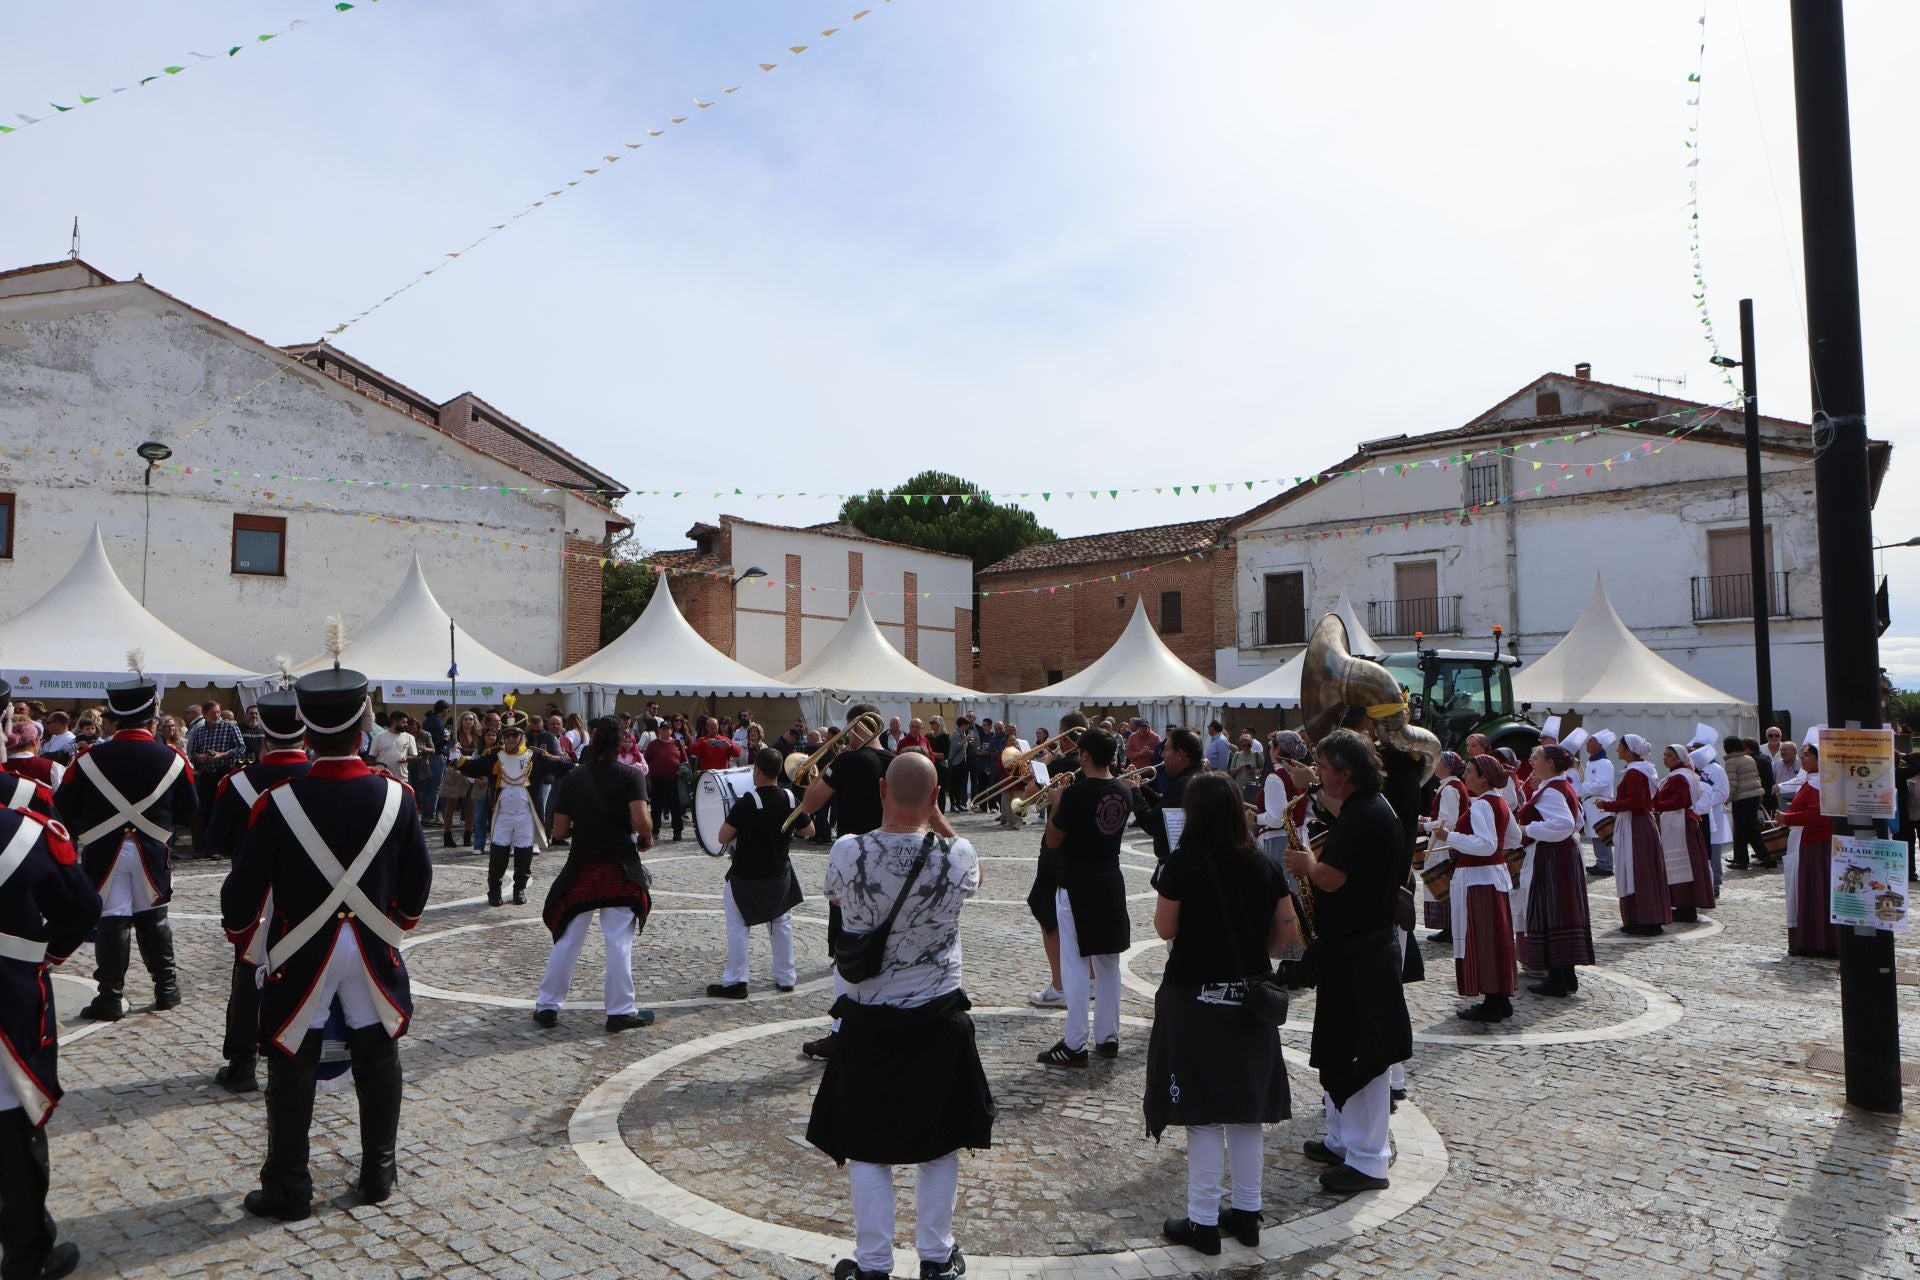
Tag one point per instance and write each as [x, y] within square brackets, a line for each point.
[1224, 906]
[1683, 844]
[1809, 866]
[1447, 803]
[1559, 930]
[1483, 962]
[1640, 870]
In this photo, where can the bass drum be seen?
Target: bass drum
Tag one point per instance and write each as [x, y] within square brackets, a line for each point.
[714, 796]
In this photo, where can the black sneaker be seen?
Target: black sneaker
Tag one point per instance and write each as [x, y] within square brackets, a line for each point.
[822, 1049]
[1202, 1239]
[1318, 1152]
[1398, 1095]
[238, 1077]
[1061, 1056]
[546, 1017]
[1108, 1048]
[727, 990]
[786, 990]
[952, 1269]
[1243, 1225]
[1347, 1180]
[848, 1269]
[629, 1021]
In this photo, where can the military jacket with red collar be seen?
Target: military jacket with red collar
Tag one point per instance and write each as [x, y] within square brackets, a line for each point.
[47, 906]
[18, 791]
[238, 792]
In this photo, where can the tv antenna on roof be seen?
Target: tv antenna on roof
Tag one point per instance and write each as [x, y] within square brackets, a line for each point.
[1660, 383]
[73, 249]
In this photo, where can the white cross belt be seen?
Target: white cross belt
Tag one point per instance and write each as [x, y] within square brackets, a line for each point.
[127, 813]
[346, 889]
[11, 858]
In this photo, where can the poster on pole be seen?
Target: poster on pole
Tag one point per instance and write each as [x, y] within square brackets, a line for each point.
[1856, 773]
[1869, 882]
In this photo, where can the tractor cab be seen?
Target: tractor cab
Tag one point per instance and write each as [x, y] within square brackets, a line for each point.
[1455, 693]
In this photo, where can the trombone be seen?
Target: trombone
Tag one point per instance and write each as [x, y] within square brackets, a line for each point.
[1042, 798]
[1018, 765]
[803, 771]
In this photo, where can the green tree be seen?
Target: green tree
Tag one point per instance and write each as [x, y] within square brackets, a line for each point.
[969, 523]
[626, 584]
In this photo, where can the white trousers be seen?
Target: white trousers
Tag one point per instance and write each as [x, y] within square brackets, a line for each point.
[1397, 1073]
[617, 925]
[346, 978]
[1073, 974]
[1357, 1132]
[127, 890]
[1209, 1148]
[936, 1185]
[512, 827]
[739, 936]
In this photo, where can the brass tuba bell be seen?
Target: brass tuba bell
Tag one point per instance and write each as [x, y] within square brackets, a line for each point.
[1333, 682]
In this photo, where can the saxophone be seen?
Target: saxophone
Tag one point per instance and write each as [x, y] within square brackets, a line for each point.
[1303, 893]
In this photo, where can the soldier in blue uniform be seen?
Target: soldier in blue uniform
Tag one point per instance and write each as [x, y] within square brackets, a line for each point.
[47, 904]
[284, 757]
[121, 800]
[343, 856]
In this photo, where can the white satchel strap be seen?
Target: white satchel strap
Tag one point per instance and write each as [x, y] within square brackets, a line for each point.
[127, 813]
[22, 794]
[11, 858]
[244, 788]
[346, 889]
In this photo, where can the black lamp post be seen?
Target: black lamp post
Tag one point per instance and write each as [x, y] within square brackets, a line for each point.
[155, 453]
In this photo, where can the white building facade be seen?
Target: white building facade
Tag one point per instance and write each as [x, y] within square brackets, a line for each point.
[237, 554]
[1543, 514]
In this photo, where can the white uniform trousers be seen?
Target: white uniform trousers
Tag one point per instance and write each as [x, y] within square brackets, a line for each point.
[1357, 1132]
[617, 927]
[936, 1185]
[1209, 1148]
[512, 824]
[1397, 1073]
[127, 892]
[739, 935]
[348, 979]
[1105, 984]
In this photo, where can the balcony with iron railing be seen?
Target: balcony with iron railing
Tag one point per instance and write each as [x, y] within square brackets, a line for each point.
[1433, 616]
[1728, 597]
[1271, 628]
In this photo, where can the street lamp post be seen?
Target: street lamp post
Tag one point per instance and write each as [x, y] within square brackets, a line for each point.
[155, 453]
[1759, 581]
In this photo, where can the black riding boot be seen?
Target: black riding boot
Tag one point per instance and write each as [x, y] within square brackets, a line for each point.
[241, 1047]
[376, 1077]
[27, 1232]
[496, 871]
[155, 936]
[522, 872]
[112, 949]
[286, 1184]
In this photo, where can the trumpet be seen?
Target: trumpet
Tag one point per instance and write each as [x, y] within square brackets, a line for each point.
[1042, 798]
[1138, 777]
[803, 771]
[1017, 765]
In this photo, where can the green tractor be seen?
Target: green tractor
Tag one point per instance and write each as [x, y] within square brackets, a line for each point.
[1455, 693]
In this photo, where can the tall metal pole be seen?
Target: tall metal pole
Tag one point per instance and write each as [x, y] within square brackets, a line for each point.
[1869, 1013]
[1761, 592]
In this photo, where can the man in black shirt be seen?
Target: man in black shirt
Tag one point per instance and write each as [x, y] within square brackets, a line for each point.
[1360, 1023]
[852, 785]
[761, 887]
[1091, 903]
[1046, 876]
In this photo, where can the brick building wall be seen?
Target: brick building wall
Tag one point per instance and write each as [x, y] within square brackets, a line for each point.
[963, 672]
[1027, 634]
[581, 587]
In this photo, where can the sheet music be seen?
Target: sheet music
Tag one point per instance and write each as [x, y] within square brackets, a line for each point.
[1040, 775]
[1176, 820]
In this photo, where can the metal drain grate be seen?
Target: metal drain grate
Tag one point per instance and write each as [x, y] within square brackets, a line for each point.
[1830, 1061]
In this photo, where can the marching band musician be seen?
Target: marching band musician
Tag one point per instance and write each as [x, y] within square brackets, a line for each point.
[21, 786]
[47, 904]
[1684, 847]
[1596, 784]
[233, 803]
[1085, 825]
[1641, 871]
[344, 858]
[760, 887]
[1483, 960]
[512, 770]
[1447, 803]
[1046, 873]
[1559, 932]
[121, 800]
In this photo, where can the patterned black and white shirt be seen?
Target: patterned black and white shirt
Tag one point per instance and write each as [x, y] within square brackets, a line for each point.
[865, 875]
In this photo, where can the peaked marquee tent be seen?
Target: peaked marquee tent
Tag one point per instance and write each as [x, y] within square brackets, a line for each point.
[861, 665]
[403, 650]
[1281, 686]
[1136, 670]
[662, 654]
[73, 641]
[1602, 670]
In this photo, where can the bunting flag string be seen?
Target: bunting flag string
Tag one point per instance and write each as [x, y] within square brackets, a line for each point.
[195, 59]
[1551, 476]
[1443, 462]
[612, 156]
[1697, 82]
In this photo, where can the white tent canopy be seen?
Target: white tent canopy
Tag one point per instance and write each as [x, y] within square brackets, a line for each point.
[1601, 670]
[74, 640]
[860, 665]
[1136, 670]
[403, 650]
[1281, 686]
[662, 654]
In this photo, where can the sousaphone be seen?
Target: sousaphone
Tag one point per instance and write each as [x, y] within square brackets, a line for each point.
[1333, 682]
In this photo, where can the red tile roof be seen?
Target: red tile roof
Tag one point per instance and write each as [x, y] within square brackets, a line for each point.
[1131, 546]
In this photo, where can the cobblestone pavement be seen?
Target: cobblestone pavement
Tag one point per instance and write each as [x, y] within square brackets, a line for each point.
[1665, 1123]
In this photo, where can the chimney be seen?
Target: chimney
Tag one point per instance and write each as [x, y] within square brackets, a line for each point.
[1583, 371]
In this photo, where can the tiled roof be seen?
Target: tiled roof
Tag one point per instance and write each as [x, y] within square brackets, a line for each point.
[1155, 542]
[691, 560]
[839, 529]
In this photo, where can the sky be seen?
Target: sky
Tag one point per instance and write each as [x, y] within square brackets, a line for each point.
[1060, 245]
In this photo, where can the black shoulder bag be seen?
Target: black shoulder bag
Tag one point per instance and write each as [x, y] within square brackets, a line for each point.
[860, 956]
[1266, 999]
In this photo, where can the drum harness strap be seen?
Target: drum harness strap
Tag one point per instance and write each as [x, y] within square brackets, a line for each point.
[128, 814]
[13, 947]
[346, 889]
[22, 794]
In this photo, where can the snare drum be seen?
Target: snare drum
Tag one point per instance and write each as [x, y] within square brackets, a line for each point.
[1774, 840]
[1439, 880]
[1603, 828]
[714, 796]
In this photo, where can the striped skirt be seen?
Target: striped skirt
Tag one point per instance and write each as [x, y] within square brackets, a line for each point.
[1637, 839]
[1487, 966]
[1811, 926]
[1559, 924]
[1699, 891]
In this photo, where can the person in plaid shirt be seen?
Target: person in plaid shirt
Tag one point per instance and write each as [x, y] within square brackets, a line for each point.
[215, 748]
